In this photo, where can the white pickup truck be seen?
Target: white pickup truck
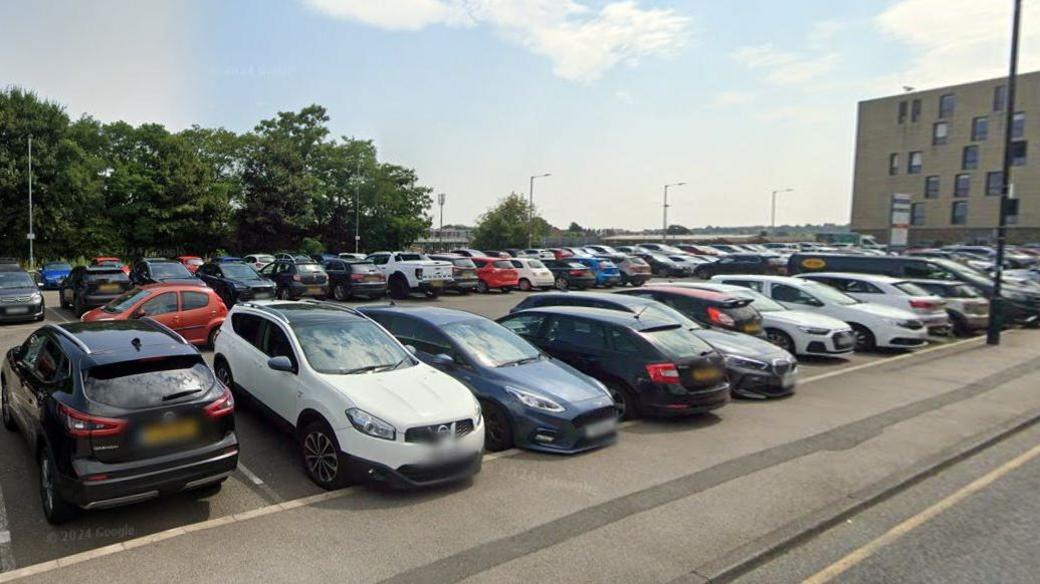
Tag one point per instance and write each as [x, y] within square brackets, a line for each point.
[408, 272]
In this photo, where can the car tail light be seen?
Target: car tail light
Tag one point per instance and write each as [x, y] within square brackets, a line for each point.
[923, 304]
[357, 277]
[719, 317]
[663, 372]
[576, 272]
[80, 425]
[223, 406]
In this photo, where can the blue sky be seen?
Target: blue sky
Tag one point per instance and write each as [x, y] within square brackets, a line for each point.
[615, 98]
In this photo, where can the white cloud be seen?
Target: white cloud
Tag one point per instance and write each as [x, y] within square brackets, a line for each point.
[784, 67]
[728, 98]
[581, 42]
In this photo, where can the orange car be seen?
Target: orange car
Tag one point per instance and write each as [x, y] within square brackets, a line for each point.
[190, 262]
[192, 312]
[110, 261]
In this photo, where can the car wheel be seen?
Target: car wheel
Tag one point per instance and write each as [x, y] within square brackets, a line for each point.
[482, 287]
[340, 292]
[865, 340]
[624, 400]
[77, 306]
[211, 338]
[399, 289]
[55, 508]
[326, 465]
[960, 328]
[498, 432]
[561, 283]
[525, 285]
[223, 372]
[5, 407]
[61, 299]
[780, 339]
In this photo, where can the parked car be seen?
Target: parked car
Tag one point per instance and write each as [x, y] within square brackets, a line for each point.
[297, 278]
[707, 307]
[929, 308]
[529, 400]
[606, 272]
[192, 312]
[494, 253]
[538, 253]
[408, 272]
[690, 263]
[662, 265]
[352, 278]
[967, 308]
[20, 298]
[495, 274]
[321, 258]
[117, 413]
[875, 325]
[190, 262]
[755, 367]
[360, 405]
[236, 282]
[469, 252]
[110, 262]
[229, 260]
[570, 274]
[651, 366]
[88, 287]
[8, 263]
[162, 271]
[52, 274]
[660, 248]
[259, 260]
[533, 274]
[742, 263]
[634, 270]
[463, 272]
[352, 256]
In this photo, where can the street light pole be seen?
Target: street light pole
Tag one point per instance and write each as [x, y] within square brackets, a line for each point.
[357, 208]
[440, 233]
[664, 222]
[772, 217]
[530, 209]
[32, 235]
[996, 304]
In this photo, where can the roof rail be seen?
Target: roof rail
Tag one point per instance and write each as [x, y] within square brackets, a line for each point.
[333, 306]
[165, 329]
[71, 337]
[264, 308]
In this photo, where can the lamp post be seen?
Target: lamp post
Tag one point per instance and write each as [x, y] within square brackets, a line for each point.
[357, 208]
[440, 232]
[664, 223]
[530, 209]
[772, 216]
[31, 235]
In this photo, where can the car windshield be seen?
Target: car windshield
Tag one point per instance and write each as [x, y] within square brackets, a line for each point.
[149, 383]
[503, 264]
[308, 268]
[9, 280]
[123, 303]
[57, 266]
[239, 271]
[636, 261]
[761, 302]
[264, 258]
[828, 294]
[411, 257]
[677, 342]
[344, 348]
[490, 343]
[169, 270]
[577, 265]
[911, 289]
[971, 275]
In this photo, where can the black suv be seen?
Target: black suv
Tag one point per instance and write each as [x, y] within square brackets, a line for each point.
[651, 366]
[115, 413]
[296, 277]
[463, 271]
[235, 282]
[355, 278]
[93, 286]
[20, 297]
[161, 271]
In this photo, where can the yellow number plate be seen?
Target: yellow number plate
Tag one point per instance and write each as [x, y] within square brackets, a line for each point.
[706, 374]
[753, 328]
[109, 288]
[173, 432]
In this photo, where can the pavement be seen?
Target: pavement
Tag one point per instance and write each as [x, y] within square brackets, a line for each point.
[687, 500]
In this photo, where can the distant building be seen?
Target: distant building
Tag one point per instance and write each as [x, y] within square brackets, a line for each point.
[446, 239]
[944, 148]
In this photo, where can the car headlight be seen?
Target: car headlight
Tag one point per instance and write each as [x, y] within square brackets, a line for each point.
[734, 362]
[366, 423]
[35, 297]
[907, 324]
[534, 401]
[814, 330]
[478, 418]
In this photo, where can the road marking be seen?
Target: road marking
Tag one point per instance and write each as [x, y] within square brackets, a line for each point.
[861, 554]
[6, 551]
[885, 361]
[250, 475]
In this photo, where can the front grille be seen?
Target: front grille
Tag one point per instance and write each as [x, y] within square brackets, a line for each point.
[844, 340]
[783, 367]
[597, 415]
[463, 427]
[914, 325]
[15, 299]
[427, 473]
[435, 433]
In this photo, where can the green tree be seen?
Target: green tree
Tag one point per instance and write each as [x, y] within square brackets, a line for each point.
[575, 228]
[506, 224]
[678, 230]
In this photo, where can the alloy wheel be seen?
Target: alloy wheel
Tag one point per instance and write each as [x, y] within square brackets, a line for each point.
[339, 293]
[5, 410]
[525, 285]
[321, 457]
[47, 483]
[780, 339]
[561, 283]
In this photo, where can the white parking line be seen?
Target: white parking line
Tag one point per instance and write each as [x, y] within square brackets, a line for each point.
[6, 552]
[250, 474]
[885, 361]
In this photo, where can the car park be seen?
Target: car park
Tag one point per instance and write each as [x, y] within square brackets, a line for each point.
[661, 248]
[707, 307]
[529, 399]
[874, 325]
[634, 270]
[463, 272]
[663, 266]
[117, 413]
[20, 298]
[354, 278]
[360, 405]
[690, 263]
[192, 312]
[930, 309]
[539, 253]
[191, 262]
[258, 260]
[110, 262]
[89, 287]
[967, 308]
[321, 258]
[532, 274]
[297, 278]
[408, 272]
[605, 271]
[495, 274]
[798, 332]
[162, 271]
[236, 282]
[52, 274]
[741, 263]
[652, 366]
[570, 274]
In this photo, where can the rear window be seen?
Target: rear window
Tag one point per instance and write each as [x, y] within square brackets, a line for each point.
[170, 270]
[57, 266]
[308, 268]
[535, 264]
[124, 302]
[636, 261]
[149, 382]
[115, 275]
[464, 263]
[503, 264]
[410, 257]
[741, 313]
[677, 342]
[911, 289]
[577, 265]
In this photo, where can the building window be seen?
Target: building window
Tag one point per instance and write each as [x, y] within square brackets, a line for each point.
[1018, 153]
[917, 214]
[893, 164]
[959, 213]
[946, 105]
[970, 158]
[915, 110]
[962, 186]
[931, 187]
[999, 98]
[994, 183]
[913, 165]
[939, 133]
[902, 112]
[980, 129]
[1018, 124]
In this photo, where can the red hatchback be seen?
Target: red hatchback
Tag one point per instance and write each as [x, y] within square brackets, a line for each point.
[110, 262]
[494, 273]
[192, 312]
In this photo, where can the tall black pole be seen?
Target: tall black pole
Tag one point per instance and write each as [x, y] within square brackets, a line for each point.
[996, 308]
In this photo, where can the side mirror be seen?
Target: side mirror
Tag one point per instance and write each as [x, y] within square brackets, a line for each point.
[39, 284]
[280, 363]
[442, 360]
[411, 349]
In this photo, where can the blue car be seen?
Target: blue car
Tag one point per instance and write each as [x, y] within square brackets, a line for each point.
[607, 273]
[53, 274]
[529, 399]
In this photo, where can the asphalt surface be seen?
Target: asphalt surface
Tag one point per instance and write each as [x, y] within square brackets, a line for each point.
[270, 471]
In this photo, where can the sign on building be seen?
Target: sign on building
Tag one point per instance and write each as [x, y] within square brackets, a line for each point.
[901, 209]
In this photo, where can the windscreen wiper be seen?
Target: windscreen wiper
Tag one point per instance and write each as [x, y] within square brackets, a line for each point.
[179, 394]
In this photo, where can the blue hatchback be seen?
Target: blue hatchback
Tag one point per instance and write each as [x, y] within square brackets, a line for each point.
[607, 273]
[529, 399]
[52, 274]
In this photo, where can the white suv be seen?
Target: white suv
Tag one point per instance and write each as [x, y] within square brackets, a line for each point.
[361, 405]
